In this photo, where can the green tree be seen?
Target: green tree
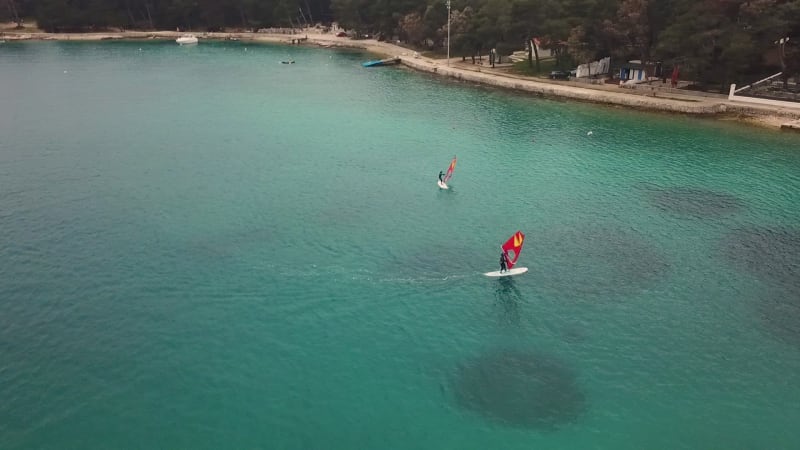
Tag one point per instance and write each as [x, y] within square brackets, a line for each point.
[716, 42]
[13, 12]
[527, 23]
[461, 37]
[630, 32]
[412, 29]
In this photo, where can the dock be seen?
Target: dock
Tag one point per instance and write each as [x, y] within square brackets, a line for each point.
[382, 62]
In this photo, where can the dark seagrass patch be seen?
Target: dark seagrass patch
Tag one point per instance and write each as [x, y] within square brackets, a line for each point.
[772, 255]
[520, 388]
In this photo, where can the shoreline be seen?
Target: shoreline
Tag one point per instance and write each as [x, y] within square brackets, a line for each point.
[670, 102]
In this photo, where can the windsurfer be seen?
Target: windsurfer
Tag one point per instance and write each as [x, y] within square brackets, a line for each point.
[503, 262]
[441, 176]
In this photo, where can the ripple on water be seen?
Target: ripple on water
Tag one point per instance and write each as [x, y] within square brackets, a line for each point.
[437, 260]
[779, 312]
[773, 256]
[521, 388]
[596, 260]
[693, 202]
[228, 245]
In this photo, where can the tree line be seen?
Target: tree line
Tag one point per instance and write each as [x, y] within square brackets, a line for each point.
[210, 15]
[713, 41]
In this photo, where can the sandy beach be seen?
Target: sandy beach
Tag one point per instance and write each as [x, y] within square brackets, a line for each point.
[655, 99]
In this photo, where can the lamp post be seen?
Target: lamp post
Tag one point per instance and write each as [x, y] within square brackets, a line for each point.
[781, 42]
[782, 55]
[448, 32]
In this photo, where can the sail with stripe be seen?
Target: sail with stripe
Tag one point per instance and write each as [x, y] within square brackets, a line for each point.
[450, 170]
[513, 247]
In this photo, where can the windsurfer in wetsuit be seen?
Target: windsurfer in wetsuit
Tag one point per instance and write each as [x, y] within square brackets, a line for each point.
[503, 262]
[441, 177]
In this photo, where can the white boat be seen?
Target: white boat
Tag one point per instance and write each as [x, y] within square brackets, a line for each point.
[187, 39]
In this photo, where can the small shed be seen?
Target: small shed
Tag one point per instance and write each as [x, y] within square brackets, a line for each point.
[637, 71]
[632, 71]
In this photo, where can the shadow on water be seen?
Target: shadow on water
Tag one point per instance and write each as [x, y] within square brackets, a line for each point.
[509, 298]
[692, 202]
[772, 255]
[528, 389]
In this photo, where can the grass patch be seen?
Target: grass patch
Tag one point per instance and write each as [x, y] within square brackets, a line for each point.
[545, 67]
[434, 54]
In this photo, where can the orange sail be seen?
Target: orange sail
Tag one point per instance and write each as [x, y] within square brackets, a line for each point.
[513, 247]
[450, 170]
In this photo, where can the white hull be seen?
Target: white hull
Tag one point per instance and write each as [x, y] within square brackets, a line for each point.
[507, 273]
[186, 40]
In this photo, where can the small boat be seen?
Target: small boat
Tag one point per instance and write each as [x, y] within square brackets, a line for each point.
[187, 39]
[291, 61]
[513, 246]
[382, 62]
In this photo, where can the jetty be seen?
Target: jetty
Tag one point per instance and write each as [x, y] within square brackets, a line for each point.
[382, 62]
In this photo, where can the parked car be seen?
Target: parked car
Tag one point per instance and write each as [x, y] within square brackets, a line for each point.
[341, 34]
[559, 75]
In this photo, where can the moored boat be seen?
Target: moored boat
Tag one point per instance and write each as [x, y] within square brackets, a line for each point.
[187, 39]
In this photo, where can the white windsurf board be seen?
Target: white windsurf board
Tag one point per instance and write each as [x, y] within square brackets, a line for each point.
[441, 184]
[507, 273]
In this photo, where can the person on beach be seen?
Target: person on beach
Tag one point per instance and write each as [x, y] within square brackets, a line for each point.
[503, 262]
[441, 177]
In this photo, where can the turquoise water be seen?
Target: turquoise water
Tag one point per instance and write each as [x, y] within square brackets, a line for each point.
[204, 248]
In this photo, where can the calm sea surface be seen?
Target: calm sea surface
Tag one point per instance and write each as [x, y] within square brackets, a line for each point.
[201, 247]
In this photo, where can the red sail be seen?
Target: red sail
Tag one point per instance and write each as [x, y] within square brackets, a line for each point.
[450, 170]
[513, 247]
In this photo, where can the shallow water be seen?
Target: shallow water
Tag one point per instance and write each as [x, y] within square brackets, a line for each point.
[204, 248]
